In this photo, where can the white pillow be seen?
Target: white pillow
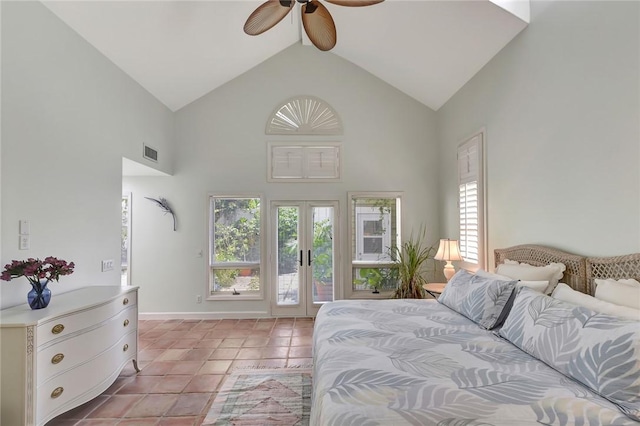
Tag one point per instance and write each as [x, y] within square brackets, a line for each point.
[622, 292]
[630, 282]
[539, 286]
[551, 273]
[566, 294]
[484, 274]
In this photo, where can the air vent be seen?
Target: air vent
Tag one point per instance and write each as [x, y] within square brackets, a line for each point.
[150, 153]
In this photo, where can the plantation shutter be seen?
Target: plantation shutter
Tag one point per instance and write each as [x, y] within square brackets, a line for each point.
[304, 162]
[470, 200]
[322, 162]
[287, 162]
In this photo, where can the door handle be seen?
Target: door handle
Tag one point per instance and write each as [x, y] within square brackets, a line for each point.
[309, 256]
[300, 257]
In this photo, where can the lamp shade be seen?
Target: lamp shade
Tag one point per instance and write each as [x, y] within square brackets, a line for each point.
[448, 250]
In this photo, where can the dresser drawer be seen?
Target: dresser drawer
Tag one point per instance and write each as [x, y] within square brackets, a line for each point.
[65, 354]
[68, 324]
[61, 392]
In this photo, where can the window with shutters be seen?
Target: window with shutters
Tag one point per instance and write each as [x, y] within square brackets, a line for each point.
[304, 161]
[304, 115]
[471, 201]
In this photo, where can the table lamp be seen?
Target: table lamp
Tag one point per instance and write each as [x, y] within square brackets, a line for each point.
[448, 251]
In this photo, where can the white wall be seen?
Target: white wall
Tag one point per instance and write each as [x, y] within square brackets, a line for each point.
[388, 144]
[561, 106]
[68, 117]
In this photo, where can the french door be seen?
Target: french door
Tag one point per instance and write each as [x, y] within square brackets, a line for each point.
[303, 256]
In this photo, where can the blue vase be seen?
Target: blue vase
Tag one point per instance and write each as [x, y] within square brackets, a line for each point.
[39, 296]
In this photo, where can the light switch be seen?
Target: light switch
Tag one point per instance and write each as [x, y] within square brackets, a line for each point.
[24, 227]
[107, 265]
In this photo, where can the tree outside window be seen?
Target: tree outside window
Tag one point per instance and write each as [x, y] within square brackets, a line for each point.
[235, 244]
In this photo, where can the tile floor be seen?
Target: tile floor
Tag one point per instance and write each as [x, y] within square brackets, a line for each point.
[184, 363]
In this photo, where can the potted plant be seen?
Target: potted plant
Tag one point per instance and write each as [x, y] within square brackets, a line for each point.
[323, 260]
[38, 273]
[413, 264]
[378, 278]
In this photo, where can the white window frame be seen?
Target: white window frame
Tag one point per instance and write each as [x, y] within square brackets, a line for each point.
[127, 281]
[349, 292]
[211, 265]
[470, 171]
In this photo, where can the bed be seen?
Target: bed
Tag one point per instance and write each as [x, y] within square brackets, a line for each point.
[418, 362]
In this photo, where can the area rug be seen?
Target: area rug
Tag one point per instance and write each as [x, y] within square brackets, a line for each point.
[251, 397]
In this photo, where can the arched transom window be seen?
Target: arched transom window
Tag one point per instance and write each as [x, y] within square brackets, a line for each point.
[304, 115]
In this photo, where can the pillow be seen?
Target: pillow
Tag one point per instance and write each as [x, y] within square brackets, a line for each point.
[482, 300]
[631, 282]
[540, 286]
[484, 274]
[566, 294]
[552, 273]
[622, 292]
[598, 350]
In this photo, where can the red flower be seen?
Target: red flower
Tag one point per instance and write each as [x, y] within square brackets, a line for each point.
[35, 269]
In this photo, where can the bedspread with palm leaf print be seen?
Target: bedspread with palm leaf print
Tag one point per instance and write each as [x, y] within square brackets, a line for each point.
[417, 362]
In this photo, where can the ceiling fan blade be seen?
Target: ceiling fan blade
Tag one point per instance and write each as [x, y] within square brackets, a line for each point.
[319, 25]
[355, 3]
[267, 15]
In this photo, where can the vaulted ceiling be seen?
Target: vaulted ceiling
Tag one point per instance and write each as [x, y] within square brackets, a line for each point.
[181, 50]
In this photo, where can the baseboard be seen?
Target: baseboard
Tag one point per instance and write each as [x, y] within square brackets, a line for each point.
[202, 315]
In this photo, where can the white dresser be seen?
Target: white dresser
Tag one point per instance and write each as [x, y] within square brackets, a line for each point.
[59, 357]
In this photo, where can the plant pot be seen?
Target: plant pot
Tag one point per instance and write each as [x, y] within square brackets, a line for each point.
[324, 292]
[39, 296]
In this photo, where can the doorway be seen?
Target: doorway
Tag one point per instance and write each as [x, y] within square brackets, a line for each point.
[304, 267]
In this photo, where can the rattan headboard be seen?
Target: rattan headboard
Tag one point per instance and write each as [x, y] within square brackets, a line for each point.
[575, 274]
[617, 267]
[581, 271]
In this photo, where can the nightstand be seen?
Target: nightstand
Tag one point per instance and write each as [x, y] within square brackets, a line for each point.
[434, 289]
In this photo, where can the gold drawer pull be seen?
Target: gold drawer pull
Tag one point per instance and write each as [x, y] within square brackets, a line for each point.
[126, 322]
[125, 301]
[125, 347]
[57, 329]
[57, 358]
[57, 392]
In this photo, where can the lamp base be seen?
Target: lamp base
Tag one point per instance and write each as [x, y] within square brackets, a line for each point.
[449, 270]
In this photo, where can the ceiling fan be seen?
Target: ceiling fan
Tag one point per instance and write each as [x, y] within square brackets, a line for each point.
[316, 19]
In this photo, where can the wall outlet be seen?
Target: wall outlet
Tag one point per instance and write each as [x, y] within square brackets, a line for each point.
[24, 242]
[198, 299]
[107, 265]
